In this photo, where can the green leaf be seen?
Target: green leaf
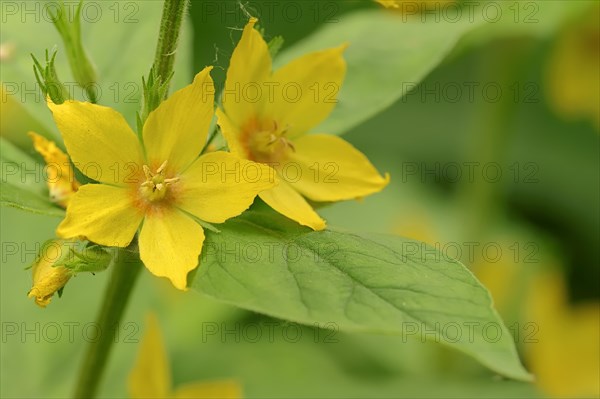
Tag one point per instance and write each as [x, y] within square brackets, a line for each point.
[387, 56]
[20, 169]
[16, 197]
[120, 38]
[371, 283]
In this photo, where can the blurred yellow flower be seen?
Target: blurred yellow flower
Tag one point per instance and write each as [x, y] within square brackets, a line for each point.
[48, 278]
[573, 77]
[565, 356]
[60, 176]
[561, 342]
[151, 374]
[409, 6]
[162, 183]
[7, 51]
[266, 115]
[501, 279]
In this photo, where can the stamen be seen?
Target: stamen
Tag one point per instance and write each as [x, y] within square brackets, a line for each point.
[155, 186]
[289, 144]
[267, 142]
[147, 172]
[162, 167]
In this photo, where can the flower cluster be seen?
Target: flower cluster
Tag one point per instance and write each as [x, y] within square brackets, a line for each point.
[163, 186]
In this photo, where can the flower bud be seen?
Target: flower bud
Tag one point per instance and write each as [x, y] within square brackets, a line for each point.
[47, 78]
[49, 276]
[70, 32]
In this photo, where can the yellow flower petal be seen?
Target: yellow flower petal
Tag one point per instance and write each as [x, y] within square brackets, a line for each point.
[170, 243]
[249, 67]
[227, 389]
[572, 73]
[307, 90]
[151, 374]
[232, 134]
[285, 200]
[219, 186]
[98, 139]
[60, 175]
[177, 130]
[103, 214]
[331, 169]
[389, 3]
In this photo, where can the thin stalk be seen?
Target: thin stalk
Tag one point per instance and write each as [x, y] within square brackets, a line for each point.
[492, 134]
[125, 270]
[213, 135]
[127, 264]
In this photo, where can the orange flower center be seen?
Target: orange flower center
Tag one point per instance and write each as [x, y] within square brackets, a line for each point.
[156, 186]
[266, 142]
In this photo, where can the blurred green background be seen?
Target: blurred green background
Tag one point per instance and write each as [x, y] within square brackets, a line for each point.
[542, 134]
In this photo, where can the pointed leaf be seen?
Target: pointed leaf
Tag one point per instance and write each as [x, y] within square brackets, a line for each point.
[265, 263]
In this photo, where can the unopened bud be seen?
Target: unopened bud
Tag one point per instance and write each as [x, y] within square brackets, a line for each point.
[48, 275]
[70, 32]
[48, 80]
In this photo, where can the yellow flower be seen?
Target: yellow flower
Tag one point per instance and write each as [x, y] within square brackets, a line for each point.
[560, 341]
[60, 175]
[564, 340]
[389, 3]
[7, 51]
[572, 77]
[410, 6]
[265, 117]
[151, 375]
[162, 183]
[48, 278]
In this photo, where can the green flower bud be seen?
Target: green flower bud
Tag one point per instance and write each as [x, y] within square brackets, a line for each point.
[58, 261]
[48, 79]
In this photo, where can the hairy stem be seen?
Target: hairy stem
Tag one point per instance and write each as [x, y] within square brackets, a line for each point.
[170, 27]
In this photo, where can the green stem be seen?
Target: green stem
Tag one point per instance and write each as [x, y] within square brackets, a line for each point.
[170, 27]
[127, 264]
[490, 139]
[126, 268]
[211, 138]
